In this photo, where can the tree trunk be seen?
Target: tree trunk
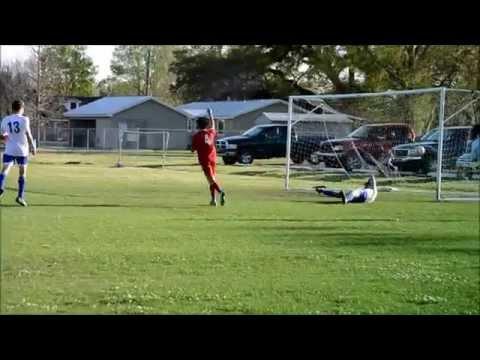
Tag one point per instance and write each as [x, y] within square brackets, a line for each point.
[37, 97]
[147, 76]
[351, 77]
[478, 68]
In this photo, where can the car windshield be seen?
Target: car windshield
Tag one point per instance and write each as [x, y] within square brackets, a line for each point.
[361, 133]
[434, 134]
[431, 135]
[253, 131]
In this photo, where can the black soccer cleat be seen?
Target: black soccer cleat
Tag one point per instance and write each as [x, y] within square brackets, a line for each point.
[1, 193]
[319, 188]
[21, 201]
[222, 198]
[371, 183]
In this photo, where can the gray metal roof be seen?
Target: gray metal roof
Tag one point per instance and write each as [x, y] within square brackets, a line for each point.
[227, 109]
[109, 106]
[308, 117]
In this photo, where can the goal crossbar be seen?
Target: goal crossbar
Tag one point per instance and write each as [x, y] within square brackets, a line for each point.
[384, 93]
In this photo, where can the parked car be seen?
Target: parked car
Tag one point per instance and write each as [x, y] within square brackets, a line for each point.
[421, 156]
[369, 141]
[265, 142]
[466, 168]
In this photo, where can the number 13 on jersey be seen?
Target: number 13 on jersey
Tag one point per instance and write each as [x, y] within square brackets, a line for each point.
[14, 127]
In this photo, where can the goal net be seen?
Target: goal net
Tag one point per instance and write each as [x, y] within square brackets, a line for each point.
[142, 148]
[414, 140]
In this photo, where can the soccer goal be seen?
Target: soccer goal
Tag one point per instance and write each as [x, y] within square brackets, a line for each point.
[417, 139]
[142, 147]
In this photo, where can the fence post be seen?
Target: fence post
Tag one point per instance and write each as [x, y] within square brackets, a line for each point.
[88, 139]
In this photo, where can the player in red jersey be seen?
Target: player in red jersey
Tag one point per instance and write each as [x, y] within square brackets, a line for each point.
[203, 142]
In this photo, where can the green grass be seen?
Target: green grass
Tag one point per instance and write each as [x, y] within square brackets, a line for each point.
[98, 239]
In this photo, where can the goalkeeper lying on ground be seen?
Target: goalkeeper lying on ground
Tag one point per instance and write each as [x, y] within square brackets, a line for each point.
[367, 194]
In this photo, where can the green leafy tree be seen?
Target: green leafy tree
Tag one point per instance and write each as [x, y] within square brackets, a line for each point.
[69, 71]
[143, 70]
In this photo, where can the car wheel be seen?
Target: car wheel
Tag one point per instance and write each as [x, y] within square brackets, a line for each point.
[229, 160]
[352, 162]
[461, 174]
[297, 159]
[427, 166]
[314, 159]
[245, 158]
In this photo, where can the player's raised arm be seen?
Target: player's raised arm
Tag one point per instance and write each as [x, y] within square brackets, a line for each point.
[28, 133]
[211, 120]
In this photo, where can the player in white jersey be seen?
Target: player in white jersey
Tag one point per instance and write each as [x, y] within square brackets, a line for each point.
[15, 132]
[367, 194]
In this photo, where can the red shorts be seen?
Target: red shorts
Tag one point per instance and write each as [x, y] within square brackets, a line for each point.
[209, 169]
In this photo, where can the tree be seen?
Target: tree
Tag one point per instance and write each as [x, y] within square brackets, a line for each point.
[15, 84]
[143, 70]
[254, 71]
[71, 71]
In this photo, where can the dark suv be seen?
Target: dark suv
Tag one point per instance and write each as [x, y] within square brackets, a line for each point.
[372, 142]
[421, 156]
[265, 142]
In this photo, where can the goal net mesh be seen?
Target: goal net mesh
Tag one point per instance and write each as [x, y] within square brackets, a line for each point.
[141, 146]
[395, 135]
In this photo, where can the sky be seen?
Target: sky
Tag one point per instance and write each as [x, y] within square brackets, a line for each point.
[100, 54]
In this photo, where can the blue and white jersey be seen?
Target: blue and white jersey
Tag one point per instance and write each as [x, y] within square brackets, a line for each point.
[361, 195]
[16, 127]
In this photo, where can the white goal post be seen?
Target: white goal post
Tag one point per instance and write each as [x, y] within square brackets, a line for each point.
[138, 140]
[447, 110]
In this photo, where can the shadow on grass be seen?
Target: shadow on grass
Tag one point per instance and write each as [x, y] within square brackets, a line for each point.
[403, 241]
[297, 220]
[250, 173]
[321, 202]
[146, 206]
[46, 193]
[165, 166]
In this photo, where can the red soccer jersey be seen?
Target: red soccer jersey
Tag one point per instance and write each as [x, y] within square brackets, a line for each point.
[203, 142]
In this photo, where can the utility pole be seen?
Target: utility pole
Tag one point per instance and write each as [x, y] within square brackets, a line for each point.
[37, 98]
[478, 68]
[147, 77]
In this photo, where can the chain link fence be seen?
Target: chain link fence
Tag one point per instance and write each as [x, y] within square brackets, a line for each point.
[108, 139]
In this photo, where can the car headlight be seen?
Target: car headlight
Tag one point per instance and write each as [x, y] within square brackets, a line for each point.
[231, 146]
[416, 151]
[419, 150]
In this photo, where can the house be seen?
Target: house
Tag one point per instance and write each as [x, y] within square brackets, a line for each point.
[106, 116]
[236, 116]
[74, 102]
[331, 125]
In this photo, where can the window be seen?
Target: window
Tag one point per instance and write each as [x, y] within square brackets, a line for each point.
[190, 124]
[73, 105]
[272, 133]
[221, 125]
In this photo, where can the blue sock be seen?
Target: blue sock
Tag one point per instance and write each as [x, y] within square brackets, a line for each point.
[2, 181]
[21, 186]
[332, 193]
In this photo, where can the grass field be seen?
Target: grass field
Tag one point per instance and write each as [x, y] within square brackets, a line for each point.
[98, 239]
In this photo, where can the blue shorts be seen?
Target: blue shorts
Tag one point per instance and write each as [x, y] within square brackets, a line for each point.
[357, 196]
[20, 160]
